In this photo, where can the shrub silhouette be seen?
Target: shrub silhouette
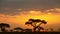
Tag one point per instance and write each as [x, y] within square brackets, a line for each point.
[51, 29]
[28, 30]
[35, 21]
[59, 30]
[3, 26]
[18, 29]
[11, 30]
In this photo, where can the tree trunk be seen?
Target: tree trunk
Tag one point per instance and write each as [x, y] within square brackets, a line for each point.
[34, 29]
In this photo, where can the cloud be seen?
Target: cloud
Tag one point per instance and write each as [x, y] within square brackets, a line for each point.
[13, 7]
[9, 11]
[53, 11]
[17, 11]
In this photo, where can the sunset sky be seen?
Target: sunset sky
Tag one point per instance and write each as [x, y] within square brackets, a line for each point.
[17, 12]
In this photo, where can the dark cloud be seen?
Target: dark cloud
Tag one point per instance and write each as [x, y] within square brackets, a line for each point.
[27, 4]
[9, 11]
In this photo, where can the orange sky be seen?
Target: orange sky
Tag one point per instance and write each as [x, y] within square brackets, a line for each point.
[53, 19]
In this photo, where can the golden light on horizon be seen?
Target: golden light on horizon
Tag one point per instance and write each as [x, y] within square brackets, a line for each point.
[49, 17]
[22, 17]
[33, 14]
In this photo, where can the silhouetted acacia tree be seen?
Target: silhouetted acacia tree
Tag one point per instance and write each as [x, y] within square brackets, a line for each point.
[34, 22]
[3, 26]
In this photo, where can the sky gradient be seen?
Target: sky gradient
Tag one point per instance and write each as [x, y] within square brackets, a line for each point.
[12, 11]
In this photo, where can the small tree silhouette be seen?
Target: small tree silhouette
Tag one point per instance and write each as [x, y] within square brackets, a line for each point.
[3, 26]
[35, 21]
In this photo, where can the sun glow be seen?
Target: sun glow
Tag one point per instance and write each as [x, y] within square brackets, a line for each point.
[49, 17]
